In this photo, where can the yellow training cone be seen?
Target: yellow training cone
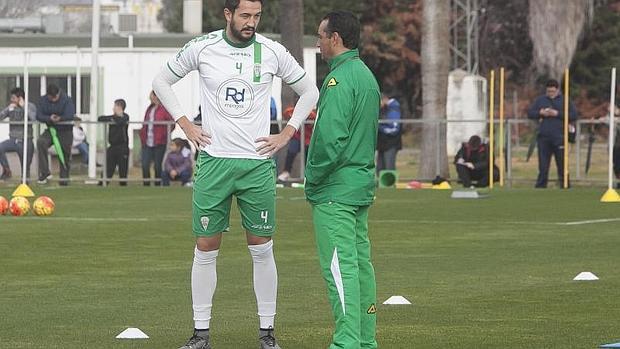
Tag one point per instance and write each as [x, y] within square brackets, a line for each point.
[610, 196]
[25, 191]
[442, 185]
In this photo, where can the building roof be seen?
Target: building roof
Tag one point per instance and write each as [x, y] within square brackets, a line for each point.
[165, 40]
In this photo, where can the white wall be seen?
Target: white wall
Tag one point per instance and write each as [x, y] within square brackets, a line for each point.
[126, 73]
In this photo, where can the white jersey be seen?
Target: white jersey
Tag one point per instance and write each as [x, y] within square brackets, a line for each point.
[235, 88]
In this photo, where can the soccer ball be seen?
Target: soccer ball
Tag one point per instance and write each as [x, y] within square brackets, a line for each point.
[19, 206]
[4, 205]
[43, 206]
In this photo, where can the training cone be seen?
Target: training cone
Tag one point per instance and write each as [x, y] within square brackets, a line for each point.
[585, 276]
[611, 195]
[24, 190]
[132, 333]
[443, 185]
[397, 300]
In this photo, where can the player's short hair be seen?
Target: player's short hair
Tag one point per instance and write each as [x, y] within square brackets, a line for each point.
[552, 83]
[346, 25]
[18, 92]
[232, 5]
[121, 103]
[52, 90]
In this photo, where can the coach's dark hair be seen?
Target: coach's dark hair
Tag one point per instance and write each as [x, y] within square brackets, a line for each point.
[552, 83]
[18, 92]
[52, 90]
[232, 5]
[346, 25]
[121, 103]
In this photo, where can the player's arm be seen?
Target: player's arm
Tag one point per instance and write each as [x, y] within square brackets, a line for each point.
[173, 71]
[334, 134]
[308, 96]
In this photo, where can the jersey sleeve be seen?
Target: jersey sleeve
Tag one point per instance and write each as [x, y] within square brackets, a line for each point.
[288, 69]
[185, 60]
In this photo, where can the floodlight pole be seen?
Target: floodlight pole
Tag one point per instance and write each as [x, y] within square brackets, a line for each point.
[94, 84]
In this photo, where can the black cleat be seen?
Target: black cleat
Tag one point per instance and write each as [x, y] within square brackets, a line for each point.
[267, 340]
[197, 342]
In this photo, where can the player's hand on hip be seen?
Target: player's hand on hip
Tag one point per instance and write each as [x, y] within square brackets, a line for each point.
[271, 144]
[194, 133]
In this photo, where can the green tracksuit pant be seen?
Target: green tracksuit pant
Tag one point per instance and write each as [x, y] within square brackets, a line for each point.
[344, 254]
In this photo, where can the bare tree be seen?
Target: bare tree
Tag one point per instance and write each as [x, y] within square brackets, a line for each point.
[292, 29]
[555, 27]
[435, 69]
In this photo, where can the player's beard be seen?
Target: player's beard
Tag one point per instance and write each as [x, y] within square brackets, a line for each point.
[238, 34]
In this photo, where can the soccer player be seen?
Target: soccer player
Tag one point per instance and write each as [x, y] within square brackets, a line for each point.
[236, 68]
[340, 180]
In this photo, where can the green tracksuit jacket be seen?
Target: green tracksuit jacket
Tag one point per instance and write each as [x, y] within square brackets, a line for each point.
[341, 156]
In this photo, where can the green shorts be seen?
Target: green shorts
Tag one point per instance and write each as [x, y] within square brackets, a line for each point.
[253, 182]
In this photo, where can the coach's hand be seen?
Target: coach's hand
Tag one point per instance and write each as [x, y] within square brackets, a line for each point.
[273, 143]
[194, 133]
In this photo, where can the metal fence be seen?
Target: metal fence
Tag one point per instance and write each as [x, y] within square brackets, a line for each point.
[519, 133]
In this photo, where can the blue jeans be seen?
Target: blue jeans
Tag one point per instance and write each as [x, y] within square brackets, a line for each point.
[16, 145]
[184, 177]
[153, 155]
[386, 160]
[83, 149]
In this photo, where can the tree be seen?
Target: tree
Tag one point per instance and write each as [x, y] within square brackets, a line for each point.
[390, 46]
[597, 53]
[555, 28]
[435, 69]
[292, 29]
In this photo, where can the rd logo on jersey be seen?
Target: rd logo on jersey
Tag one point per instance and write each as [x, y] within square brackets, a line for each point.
[235, 98]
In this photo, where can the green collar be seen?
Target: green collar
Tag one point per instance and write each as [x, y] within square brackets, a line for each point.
[238, 44]
[341, 58]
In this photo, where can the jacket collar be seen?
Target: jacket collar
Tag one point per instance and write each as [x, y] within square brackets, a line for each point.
[343, 57]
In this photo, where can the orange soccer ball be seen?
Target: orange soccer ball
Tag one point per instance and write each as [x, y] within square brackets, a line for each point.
[43, 206]
[4, 205]
[19, 206]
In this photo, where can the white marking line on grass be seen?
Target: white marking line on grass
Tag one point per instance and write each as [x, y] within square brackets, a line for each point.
[592, 221]
[89, 219]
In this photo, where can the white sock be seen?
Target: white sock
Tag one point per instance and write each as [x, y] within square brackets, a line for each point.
[265, 282]
[204, 280]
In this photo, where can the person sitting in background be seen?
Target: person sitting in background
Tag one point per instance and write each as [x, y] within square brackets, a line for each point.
[472, 163]
[15, 112]
[294, 146]
[388, 136]
[79, 139]
[117, 154]
[178, 164]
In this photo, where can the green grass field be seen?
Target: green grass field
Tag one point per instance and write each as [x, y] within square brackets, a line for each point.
[489, 273]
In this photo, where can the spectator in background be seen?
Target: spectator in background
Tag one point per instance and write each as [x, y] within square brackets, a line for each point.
[79, 139]
[389, 134]
[472, 163]
[15, 112]
[548, 109]
[57, 111]
[154, 138]
[294, 146]
[178, 165]
[273, 112]
[117, 154]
